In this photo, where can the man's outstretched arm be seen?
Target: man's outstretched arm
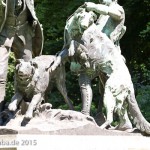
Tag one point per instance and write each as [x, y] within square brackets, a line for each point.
[114, 12]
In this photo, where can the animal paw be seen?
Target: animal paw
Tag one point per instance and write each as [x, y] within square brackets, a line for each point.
[28, 115]
[12, 107]
[55, 64]
[71, 51]
[104, 125]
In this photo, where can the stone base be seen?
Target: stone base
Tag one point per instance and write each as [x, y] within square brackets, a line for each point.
[64, 129]
[53, 122]
[64, 122]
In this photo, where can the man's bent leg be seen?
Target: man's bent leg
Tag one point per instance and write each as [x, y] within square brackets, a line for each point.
[86, 93]
[4, 54]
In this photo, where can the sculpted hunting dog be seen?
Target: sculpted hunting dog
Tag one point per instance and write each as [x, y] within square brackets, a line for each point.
[33, 81]
[75, 27]
[102, 56]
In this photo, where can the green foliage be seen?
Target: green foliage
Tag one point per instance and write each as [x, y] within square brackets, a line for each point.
[136, 42]
[143, 99]
[146, 32]
[56, 99]
[141, 74]
[141, 79]
[53, 16]
[10, 77]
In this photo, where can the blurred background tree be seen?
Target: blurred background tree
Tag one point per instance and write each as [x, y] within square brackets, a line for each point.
[135, 46]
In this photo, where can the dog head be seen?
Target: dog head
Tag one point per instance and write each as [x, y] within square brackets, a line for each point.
[25, 70]
[84, 18]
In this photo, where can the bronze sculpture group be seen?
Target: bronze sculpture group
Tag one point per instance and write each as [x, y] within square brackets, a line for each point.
[91, 43]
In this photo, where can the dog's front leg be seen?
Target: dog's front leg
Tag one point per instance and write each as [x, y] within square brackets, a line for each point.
[15, 101]
[35, 100]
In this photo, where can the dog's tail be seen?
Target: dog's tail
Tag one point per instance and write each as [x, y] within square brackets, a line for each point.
[138, 119]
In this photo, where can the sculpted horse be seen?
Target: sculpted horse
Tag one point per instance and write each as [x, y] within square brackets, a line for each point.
[33, 81]
[96, 54]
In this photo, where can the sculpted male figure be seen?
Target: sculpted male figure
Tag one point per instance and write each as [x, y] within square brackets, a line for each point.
[75, 26]
[110, 22]
[20, 31]
[111, 19]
